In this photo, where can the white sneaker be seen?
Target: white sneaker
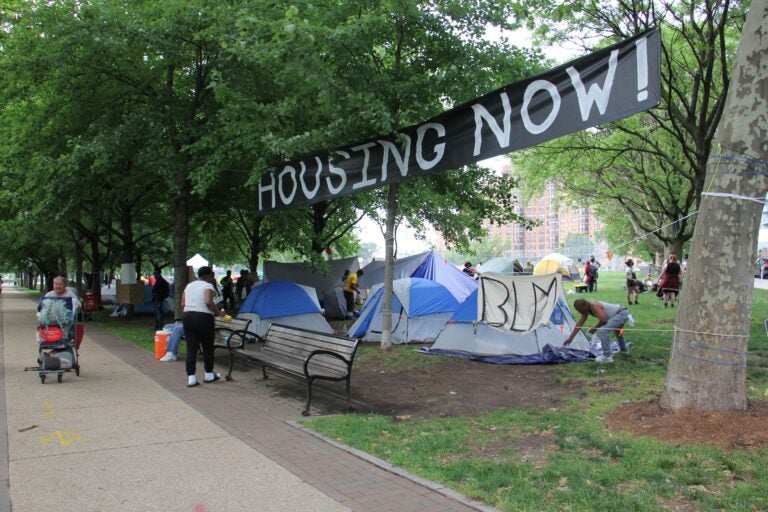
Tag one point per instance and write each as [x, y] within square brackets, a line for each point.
[604, 359]
[169, 356]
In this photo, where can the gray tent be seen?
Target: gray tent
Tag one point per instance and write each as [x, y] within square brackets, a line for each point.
[302, 273]
[506, 266]
[327, 285]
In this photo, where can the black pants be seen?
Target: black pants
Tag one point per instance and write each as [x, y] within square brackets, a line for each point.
[198, 331]
[350, 296]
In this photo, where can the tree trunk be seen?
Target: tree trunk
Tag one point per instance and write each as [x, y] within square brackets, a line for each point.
[181, 238]
[389, 260]
[708, 363]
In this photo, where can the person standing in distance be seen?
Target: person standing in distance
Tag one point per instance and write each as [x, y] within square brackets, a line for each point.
[350, 288]
[199, 311]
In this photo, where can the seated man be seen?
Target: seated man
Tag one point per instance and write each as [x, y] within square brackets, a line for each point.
[172, 349]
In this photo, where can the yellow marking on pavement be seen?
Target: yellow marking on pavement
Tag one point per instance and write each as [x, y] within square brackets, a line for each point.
[64, 438]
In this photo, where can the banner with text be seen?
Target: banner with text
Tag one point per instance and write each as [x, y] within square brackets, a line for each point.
[518, 303]
[613, 83]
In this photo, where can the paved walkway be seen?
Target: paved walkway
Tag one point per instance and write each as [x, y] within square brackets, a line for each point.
[128, 435]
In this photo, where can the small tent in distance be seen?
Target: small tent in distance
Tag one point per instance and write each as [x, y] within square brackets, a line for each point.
[557, 263]
[501, 265]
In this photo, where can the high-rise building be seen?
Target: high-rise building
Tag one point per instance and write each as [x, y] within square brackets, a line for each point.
[572, 231]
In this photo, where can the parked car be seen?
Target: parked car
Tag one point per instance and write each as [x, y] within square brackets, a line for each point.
[761, 268]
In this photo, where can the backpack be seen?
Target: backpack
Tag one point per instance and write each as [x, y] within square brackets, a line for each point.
[592, 271]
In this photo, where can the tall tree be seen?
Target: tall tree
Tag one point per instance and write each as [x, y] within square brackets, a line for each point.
[707, 367]
[650, 166]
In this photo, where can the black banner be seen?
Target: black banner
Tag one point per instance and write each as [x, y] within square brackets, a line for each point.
[605, 86]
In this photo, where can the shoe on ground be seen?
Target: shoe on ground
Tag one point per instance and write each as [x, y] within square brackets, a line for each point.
[636, 302]
[672, 305]
[216, 376]
[604, 359]
[169, 356]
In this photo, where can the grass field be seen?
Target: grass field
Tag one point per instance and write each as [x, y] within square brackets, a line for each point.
[564, 458]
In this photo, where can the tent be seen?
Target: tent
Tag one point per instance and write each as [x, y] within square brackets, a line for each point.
[555, 262]
[327, 284]
[501, 266]
[420, 308]
[196, 262]
[428, 265]
[304, 273]
[283, 302]
[464, 336]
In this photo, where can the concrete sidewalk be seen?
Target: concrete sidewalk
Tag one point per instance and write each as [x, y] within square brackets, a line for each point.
[128, 435]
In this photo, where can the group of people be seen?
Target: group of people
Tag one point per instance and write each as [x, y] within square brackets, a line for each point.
[667, 287]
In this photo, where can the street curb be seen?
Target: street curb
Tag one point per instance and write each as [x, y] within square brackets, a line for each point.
[386, 466]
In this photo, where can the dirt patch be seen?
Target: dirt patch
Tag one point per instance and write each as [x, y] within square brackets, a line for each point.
[458, 387]
[729, 430]
[453, 387]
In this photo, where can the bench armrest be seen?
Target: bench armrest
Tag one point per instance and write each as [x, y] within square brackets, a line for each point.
[325, 353]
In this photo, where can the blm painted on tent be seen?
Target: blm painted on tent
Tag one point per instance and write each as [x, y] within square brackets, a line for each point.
[604, 86]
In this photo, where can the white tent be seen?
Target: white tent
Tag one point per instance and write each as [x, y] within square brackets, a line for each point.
[197, 261]
[467, 337]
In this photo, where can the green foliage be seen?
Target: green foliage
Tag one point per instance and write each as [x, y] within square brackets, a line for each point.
[646, 173]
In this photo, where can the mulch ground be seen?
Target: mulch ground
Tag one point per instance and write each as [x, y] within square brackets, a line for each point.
[455, 387]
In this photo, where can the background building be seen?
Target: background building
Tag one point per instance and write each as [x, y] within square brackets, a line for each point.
[573, 232]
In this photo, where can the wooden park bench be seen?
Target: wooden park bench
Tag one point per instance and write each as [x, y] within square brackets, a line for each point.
[303, 354]
[230, 334]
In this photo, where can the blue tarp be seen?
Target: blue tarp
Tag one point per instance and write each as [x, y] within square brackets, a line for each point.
[278, 298]
[548, 355]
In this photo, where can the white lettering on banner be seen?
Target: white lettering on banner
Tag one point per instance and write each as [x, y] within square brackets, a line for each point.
[287, 170]
[338, 171]
[439, 148]
[530, 91]
[595, 95]
[366, 160]
[502, 136]
[309, 194]
[400, 160]
[642, 68]
[268, 188]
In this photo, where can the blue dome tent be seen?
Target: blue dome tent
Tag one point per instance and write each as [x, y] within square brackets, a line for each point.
[285, 303]
[420, 308]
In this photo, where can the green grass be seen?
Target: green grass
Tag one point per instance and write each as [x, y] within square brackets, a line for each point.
[582, 465]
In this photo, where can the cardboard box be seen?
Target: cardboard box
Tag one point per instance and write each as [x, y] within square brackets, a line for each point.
[130, 293]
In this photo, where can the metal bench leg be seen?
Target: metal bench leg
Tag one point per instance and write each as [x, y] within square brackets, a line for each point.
[231, 364]
[349, 397]
[305, 412]
[264, 371]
